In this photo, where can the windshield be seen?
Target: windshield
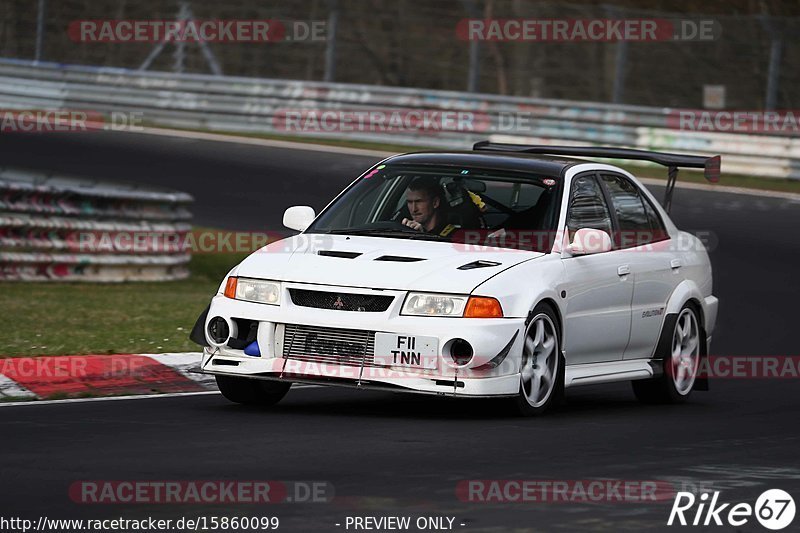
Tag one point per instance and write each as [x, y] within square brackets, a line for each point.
[454, 204]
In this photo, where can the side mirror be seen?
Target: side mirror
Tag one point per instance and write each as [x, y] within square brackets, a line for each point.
[298, 217]
[589, 241]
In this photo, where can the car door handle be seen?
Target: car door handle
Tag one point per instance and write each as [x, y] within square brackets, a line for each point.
[624, 270]
[675, 264]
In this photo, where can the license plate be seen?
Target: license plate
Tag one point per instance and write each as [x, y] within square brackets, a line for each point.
[412, 351]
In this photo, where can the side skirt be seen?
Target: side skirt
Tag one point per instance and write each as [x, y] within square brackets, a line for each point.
[592, 373]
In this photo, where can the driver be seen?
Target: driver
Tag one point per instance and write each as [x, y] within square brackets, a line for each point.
[425, 202]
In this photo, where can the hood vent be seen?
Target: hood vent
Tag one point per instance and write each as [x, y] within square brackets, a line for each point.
[399, 259]
[479, 264]
[339, 254]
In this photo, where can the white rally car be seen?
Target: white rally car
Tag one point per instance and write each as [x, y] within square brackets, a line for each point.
[508, 271]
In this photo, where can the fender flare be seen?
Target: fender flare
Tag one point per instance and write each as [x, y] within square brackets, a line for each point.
[552, 298]
[685, 291]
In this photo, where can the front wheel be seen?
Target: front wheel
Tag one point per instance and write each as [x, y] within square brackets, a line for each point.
[542, 369]
[681, 364]
[252, 391]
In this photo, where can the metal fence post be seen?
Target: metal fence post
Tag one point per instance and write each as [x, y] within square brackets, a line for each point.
[773, 74]
[179, 55]
[474, 51]
[620, 60]
[330, 49]
[775, 54]
[474, 66]
[39, 31]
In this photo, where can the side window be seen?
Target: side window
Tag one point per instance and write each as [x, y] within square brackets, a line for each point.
[636, 217]
[587, 206]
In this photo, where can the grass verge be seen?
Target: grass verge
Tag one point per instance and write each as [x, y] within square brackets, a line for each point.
[85, 318]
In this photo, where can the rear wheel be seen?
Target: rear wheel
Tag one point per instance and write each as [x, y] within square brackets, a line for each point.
[252, 391]
[542, 369]
[681, 364]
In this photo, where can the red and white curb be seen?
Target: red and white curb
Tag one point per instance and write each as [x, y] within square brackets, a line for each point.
[11, 389]
[47, 377]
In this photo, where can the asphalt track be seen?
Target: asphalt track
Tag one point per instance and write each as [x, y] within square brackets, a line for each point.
[392, 454]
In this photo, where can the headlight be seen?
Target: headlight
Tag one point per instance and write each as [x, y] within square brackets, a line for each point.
[425, 304]
[428, 304]
[255, 290]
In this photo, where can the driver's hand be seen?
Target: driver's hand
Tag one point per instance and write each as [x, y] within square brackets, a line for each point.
[412, 224]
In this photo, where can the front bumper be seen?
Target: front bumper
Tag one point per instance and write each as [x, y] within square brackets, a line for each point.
[387, 380]
[488, 337]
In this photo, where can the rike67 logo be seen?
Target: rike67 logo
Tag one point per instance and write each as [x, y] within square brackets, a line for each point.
[774, 510]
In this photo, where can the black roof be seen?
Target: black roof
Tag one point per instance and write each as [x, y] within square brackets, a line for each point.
[552, 166]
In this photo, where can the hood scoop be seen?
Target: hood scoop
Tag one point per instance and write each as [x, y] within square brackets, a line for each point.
[338, 253]
[479, 264]
[399, 259]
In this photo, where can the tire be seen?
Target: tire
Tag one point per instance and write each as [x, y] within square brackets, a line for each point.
[541, 384]
[682, 348]
[252, 391]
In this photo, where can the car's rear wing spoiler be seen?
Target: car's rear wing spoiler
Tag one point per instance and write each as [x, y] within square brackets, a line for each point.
[710, 165]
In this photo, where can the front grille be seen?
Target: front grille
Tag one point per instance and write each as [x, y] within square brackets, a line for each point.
[329, 345]
[341, 301]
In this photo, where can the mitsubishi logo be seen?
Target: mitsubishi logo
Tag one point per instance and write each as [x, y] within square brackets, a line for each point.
[338, 304]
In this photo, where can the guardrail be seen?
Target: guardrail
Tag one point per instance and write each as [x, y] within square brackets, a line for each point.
[56, 228]
[261, 105]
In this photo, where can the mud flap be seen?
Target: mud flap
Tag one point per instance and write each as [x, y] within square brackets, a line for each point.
[701, 383]
[665, 345]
